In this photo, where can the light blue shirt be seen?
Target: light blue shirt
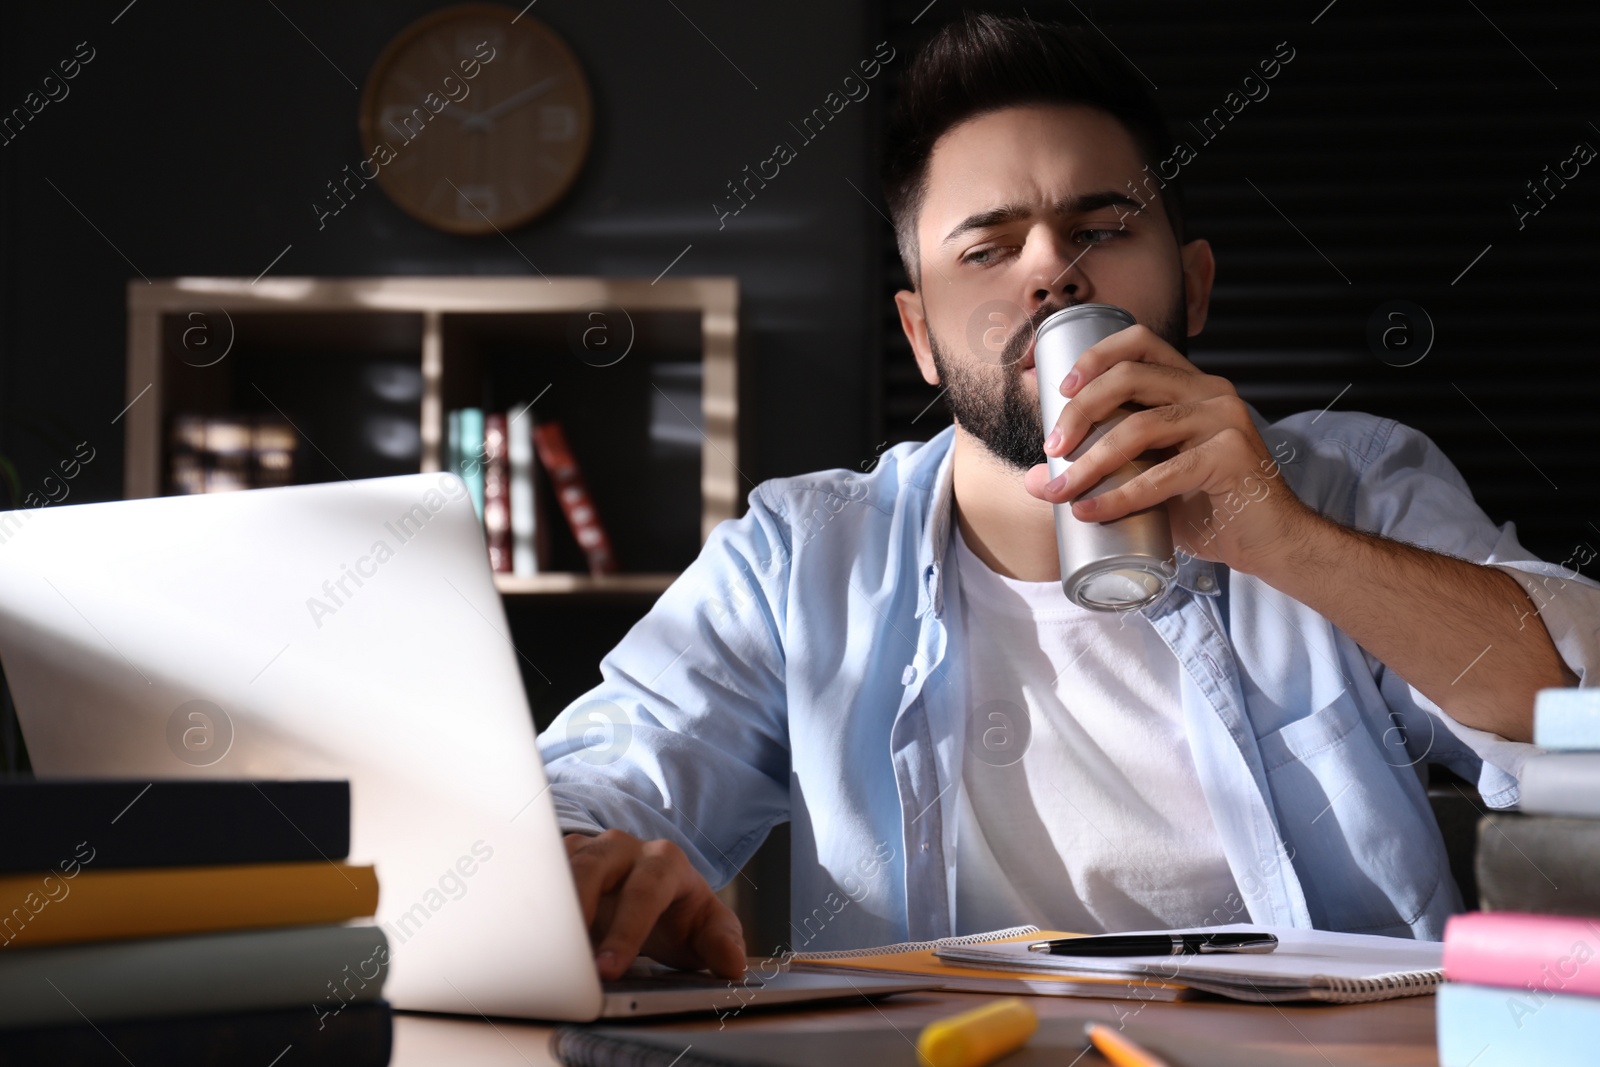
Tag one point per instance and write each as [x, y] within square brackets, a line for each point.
[809, 667]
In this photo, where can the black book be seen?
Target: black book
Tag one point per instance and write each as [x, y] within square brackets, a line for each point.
[359, 1036]
[1540, 863]
[51, 824]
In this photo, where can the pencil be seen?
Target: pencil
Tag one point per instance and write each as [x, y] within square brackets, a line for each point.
[1119, 1049]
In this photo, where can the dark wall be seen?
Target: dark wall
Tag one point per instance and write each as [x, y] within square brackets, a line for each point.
[199, 136]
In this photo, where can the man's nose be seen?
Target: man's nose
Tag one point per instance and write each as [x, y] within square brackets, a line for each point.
[1055, 274]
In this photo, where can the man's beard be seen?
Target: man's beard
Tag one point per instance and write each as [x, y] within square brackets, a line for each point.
[990, 401]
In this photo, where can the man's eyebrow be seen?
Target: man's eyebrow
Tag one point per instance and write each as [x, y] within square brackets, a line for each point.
[1082, 205]
[997, 216]
[1070, 205]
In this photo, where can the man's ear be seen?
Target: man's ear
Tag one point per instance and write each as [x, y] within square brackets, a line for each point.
[914, 321]
[1199, 271]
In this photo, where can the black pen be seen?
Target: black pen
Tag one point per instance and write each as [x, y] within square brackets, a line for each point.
[1157, 944]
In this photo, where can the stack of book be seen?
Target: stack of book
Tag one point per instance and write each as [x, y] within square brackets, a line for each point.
[1519, 989]
[494, 454]
[1524, 978]
[184, 923]
[1546, 858]
[213, 454]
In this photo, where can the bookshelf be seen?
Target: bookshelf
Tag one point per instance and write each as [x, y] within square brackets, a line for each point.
[644, 376]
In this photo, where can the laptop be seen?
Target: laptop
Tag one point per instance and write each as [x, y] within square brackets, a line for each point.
[345, 630]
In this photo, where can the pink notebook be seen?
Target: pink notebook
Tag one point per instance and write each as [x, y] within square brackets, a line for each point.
[1516, 951]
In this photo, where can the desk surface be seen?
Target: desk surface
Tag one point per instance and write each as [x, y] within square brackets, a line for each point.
[1394, 1033]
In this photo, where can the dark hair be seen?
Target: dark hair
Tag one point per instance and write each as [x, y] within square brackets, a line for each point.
[985, 62]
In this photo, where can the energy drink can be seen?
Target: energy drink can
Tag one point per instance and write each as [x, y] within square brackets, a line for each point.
[1105, 566]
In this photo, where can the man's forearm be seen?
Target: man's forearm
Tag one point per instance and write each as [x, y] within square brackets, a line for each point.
[1455, 630]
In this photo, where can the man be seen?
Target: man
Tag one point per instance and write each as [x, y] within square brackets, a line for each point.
[887, 660]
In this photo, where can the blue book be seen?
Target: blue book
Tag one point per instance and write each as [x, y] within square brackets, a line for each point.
[471, 468]
[1567, 719]
[1489, 1027]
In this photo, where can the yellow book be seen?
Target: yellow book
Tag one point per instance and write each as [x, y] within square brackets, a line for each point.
[916, 959]
[51, 909]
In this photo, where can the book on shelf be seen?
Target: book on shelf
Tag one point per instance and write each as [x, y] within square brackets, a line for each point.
[1539, 863]
[63, 825]
[496, 493]
[504, 458]
[1567, 719]
[104, 905]
[470, 460]
[273, 445]
[502, 472]
[216, 454]
[550, 441]
[528, 530]
[361, 1035]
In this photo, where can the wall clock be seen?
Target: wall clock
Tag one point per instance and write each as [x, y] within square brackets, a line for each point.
[475, 119]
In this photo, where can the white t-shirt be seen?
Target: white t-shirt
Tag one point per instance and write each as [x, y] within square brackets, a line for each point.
[1080, 807]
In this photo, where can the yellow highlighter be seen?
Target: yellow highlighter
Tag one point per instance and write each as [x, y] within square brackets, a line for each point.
[977, 1037]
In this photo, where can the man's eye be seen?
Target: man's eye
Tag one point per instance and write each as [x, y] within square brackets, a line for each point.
[979, 257]
[1095, 237]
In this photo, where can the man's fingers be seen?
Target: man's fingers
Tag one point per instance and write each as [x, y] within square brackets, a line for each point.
[719, 942]
[1177, 425]
[599, 865]
[1184, 472]
[649, 890]
[1136, 343]
[699, 931]
[1143, 385]
[1034, 481]
[647, 895]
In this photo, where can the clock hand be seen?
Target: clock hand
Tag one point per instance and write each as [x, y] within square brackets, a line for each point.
[482, 120]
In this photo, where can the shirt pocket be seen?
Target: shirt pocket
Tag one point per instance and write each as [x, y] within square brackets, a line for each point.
[1358, 829]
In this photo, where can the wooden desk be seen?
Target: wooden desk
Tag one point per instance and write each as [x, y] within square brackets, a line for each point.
[1393, 1033]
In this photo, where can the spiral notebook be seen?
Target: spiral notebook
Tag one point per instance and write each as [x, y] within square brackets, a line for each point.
[920, 960]
[1307, 965]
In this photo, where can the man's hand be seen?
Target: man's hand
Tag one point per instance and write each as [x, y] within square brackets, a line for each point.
[1429, 618]
[1224, 495]
[646, 896]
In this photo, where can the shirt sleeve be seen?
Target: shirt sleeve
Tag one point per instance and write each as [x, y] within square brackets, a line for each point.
[686, 736]
[1411, 492]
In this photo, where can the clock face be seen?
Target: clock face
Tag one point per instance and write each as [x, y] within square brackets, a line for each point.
[476, 119]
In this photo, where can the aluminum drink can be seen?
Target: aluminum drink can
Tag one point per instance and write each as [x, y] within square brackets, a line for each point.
[1105, 566]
